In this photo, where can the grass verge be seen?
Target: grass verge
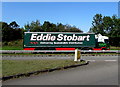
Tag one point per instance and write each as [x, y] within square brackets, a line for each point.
[114, 48]
[12, 45]
[13, 67]
[12, 48]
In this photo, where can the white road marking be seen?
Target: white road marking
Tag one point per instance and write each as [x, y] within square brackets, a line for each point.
[102, 60]
[91, 60]
[110, 60]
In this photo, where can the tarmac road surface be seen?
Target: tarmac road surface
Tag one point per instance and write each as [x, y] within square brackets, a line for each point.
[29, 57]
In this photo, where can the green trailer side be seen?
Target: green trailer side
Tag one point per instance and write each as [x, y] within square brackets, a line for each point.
[58, 40]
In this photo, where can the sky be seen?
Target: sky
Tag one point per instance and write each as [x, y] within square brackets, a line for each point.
[79, 14]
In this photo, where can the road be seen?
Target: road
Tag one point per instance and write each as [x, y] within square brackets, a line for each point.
[97, 72]
[29, 57]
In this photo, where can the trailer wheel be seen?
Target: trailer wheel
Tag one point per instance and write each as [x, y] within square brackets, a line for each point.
[90, 49]
[103, 49]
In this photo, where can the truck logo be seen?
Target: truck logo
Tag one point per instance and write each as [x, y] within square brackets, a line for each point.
[59, 37]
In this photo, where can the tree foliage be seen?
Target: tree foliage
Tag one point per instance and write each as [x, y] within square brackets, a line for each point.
[50, 27]
[97, 24]
[33, 26]
[109, 26]
[106, 25]
[11, 31]
[13, 25]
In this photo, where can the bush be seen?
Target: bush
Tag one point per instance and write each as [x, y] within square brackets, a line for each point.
[114, 41]
[5, 43]
[13, 43]
[10, 44]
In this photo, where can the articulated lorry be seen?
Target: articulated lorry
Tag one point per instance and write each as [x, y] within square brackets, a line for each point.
[64, 41]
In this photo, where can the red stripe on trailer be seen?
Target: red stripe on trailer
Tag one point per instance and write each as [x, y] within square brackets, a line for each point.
[97, 49]
[65, 48]
[100, 48]
[29, 48]
[103, 47]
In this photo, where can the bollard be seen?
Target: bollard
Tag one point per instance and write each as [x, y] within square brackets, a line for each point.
[77, 55]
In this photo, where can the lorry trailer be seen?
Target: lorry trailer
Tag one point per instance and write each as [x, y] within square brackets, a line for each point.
[64, 41]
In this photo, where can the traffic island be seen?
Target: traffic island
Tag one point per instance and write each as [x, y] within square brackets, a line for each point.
[83, 62]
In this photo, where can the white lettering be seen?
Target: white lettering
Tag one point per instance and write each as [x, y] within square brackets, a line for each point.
[69, 38]
[83, 38]
[80, 38]
[60, 37]
[88, 36]
[65, 37]
[53, 38]
[39, 37]
[74, 37]
[45, 38]
[33, 37]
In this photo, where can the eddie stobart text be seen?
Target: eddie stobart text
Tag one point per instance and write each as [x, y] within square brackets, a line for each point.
[59, 37]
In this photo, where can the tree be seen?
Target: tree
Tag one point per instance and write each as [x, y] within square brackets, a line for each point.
[53, 28]
[14, 25]
[6, 32]
[11, 31]
[33, 26]
[46, 26]
[97, 24]
[27, 27]
[109, 26]
[49, 27]
[69, 28]
[116, 27]
[74, 29]
[60, 27]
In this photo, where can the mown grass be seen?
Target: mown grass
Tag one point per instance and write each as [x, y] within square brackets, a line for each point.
[114, 48]
[12, 48]
[13, 67]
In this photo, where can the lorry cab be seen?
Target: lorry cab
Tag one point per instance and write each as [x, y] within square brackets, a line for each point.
[102, 42]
